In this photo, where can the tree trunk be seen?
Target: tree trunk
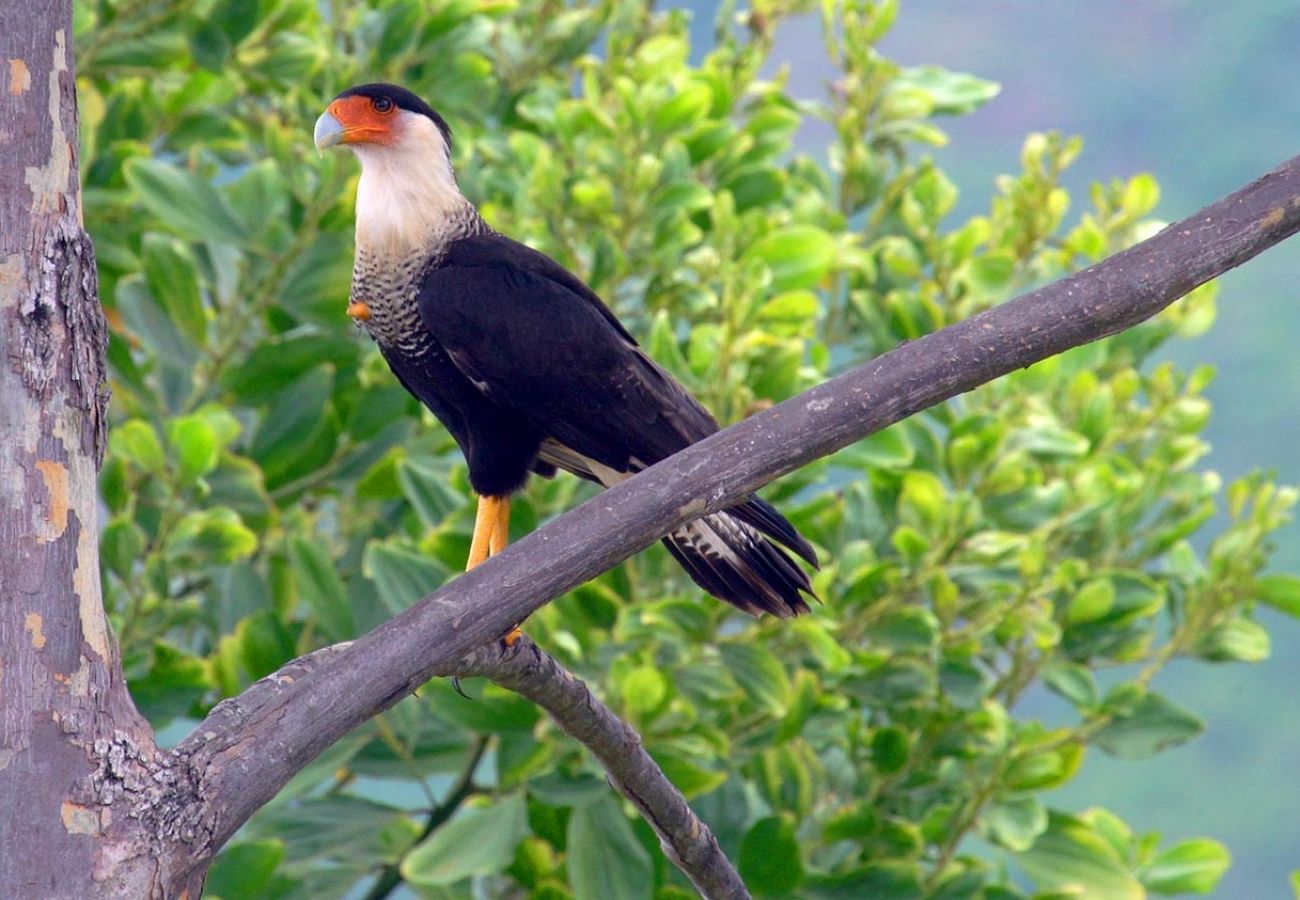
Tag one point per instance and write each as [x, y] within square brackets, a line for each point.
[75, 756]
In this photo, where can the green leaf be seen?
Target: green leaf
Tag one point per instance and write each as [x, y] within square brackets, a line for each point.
[890, 748]
[429, 490]
[1141, 194]
[769, 857]
[212, 536]
[559, 788]
[888, 449]
[686, 107]
[479, 840]
[901, 680]
[1071, 855]
[263, 643]
[644, 688]
[792, 307]
[799, 256]
[950, 93]
[332, 825]
[146, 319]
[690, 779]
[183, 201]
[237, 17]
[289, 423]
[1051, 442]
[759, 674]
[1092, 602]
[272, 364]
[663, 346]
[878, 881]
[1073, 682]
[605, 860]
[244, 870]
[172, 275]
[195, 443]
[175, 682]
[805, 693]
[1192, 867]
[1015, 823]
[400, 575]
[121, 545]
[494, 711]
[319, 585]
[1280, 591]
[1155, 724]
[136, 442]
[991, 272]
[210, 45]
[1236, 640]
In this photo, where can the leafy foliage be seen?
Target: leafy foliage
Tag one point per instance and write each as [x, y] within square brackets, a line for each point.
[270, 487]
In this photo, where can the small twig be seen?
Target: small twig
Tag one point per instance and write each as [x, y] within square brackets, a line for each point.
[391, 875]
[688, 843]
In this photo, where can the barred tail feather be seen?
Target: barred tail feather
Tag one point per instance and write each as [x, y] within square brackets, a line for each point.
[733, 561]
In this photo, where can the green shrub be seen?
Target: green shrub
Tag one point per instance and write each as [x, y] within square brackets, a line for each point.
[270, 487]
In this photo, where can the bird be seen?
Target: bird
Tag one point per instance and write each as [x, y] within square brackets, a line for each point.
[520, 360]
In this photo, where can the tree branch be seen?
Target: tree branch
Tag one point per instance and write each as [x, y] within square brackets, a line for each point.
[250, 746]
[529, 671]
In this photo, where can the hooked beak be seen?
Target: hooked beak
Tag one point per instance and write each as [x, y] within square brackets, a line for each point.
[329, 131]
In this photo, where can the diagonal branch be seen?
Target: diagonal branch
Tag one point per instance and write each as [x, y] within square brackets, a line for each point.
[529, 671]
[246, 750]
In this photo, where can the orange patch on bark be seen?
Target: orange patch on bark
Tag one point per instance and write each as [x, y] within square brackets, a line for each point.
[78, 819]
[56, 485]
[33, 622]
[20, 77]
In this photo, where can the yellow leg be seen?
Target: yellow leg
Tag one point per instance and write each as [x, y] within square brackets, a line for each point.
[491, 529]
[491, 534]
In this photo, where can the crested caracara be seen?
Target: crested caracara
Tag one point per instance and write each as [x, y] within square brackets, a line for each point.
[521, 361]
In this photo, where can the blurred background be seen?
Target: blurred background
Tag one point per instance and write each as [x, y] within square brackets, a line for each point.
[762, 217]
[1203, 96]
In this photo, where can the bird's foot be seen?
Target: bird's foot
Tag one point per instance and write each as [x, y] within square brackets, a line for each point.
[511, 637]
[358, 310]
[455, 686]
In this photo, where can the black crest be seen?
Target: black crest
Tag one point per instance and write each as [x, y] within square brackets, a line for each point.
[402, 99]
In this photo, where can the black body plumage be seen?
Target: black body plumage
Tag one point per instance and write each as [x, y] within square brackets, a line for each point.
[531, 372]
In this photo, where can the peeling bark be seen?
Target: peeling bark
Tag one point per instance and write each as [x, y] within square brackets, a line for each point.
[82, 785]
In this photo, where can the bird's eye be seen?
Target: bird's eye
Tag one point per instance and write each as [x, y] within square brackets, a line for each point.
[382, 104]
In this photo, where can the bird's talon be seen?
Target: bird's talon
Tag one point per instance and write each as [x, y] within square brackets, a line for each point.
[455, 686]
[512, 637]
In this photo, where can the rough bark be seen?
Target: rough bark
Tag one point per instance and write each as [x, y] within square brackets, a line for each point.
[82, 788]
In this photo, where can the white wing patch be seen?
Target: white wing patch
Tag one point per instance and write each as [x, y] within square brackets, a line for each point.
[570, 460]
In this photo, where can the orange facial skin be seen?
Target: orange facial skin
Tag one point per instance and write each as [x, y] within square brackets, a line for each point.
[362, 123]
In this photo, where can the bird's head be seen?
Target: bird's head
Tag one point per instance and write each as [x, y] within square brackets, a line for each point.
[372, 118]
[404, 146]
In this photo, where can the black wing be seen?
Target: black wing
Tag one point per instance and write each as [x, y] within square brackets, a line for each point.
[534, 339]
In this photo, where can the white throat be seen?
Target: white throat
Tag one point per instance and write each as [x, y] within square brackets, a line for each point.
[407, 199]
